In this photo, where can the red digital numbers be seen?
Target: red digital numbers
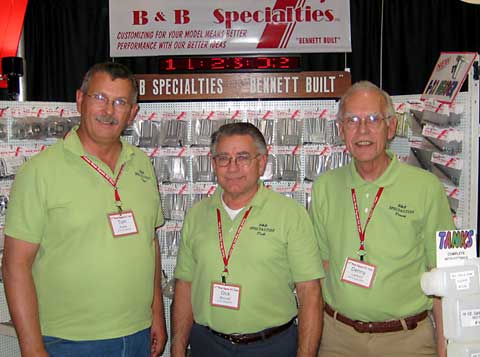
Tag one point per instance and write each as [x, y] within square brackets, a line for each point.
[230, 63]
[217, 63]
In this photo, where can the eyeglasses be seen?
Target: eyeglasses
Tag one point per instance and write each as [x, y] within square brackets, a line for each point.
[240, 160]
[101, 100]
[371, 120]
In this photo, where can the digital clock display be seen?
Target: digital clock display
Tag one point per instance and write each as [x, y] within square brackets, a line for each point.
[230, 64]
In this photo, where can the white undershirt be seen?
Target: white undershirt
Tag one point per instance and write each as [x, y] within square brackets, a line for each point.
[231, 212]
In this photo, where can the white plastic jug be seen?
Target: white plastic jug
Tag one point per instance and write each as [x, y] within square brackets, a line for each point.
[452, 281]
[461, 318]
[463, 350]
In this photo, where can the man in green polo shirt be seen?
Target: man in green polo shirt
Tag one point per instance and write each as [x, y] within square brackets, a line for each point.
[81, 265]
[375, 221]
[243, 252]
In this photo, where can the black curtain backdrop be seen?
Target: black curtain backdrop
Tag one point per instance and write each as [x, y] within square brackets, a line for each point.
[64, 38]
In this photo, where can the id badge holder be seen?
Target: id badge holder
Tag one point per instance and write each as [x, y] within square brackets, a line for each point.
[225, 295]
[123, 224]
[358, 273]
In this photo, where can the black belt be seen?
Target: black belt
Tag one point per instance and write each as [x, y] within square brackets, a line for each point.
[378, 326]
[244, 339]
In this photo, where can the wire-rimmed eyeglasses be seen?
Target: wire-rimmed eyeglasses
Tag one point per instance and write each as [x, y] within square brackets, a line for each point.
[373, 120]
[101, 100]
[239, 160]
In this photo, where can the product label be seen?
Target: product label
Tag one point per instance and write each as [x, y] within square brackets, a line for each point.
[470, 318]
[462, 279]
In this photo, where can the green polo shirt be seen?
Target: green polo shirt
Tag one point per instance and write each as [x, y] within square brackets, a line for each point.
[275, 249]
[399, 240]
[89, 284]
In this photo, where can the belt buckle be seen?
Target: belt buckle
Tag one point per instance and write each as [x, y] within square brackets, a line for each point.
[235, 338]
[363, 327]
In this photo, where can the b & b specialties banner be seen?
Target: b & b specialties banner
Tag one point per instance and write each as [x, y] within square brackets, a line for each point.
[209, 27]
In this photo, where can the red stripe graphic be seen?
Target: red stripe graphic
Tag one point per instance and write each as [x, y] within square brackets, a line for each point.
[291, 28]
[273, 33]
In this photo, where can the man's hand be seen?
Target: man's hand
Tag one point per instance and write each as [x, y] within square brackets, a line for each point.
[158, 335]
[182, 318]
[310, 317]
[21, 294]
[158, 332]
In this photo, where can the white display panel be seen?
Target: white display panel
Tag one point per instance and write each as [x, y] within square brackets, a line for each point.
[276, 111]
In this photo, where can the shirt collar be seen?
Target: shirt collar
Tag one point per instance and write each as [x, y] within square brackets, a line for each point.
[257, 201]
[386, 179]
[72, 143]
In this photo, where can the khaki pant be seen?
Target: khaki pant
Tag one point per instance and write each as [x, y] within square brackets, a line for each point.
[340, 340]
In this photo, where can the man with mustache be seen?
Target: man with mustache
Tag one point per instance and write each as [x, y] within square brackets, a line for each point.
[81, 264]
[376, 220]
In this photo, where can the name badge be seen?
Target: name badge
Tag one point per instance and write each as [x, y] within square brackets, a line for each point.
[225, 295]
[358, 273]
[123, 224]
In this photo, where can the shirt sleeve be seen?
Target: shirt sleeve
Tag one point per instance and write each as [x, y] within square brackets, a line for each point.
[185, 263]
[160, 220]
[27, 213]
[316, 209]
[438, 217]
[303, 252]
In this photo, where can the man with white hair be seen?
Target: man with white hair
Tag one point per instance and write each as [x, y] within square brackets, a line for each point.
[375, 221]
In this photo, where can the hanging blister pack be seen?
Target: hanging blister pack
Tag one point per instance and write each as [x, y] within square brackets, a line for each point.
[441, 114]
[146, 133]
[315, 165]
[3, 204]
[423, 156]
[288, 168]
[9, 165]
[270, 173]
[58, 127]
[176, 169]
[29, 128]
[159, 166]
[202, 169]
[202, 130]
[266, 126]
[3, 131]
[338, 159]
[289, 131]
[315, 130]
[175, 133]
[333, 132]
[404, 121]
[172, 243]
[170, 169]
[447, 140]
[174, 206]
[168, 289]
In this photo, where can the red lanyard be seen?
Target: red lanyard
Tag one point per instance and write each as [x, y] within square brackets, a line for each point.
[361, 233]
[232, 246]
[111, 181]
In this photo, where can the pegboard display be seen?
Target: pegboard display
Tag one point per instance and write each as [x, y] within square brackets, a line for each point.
[9, 346]
[443, 139]
[302, 137]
